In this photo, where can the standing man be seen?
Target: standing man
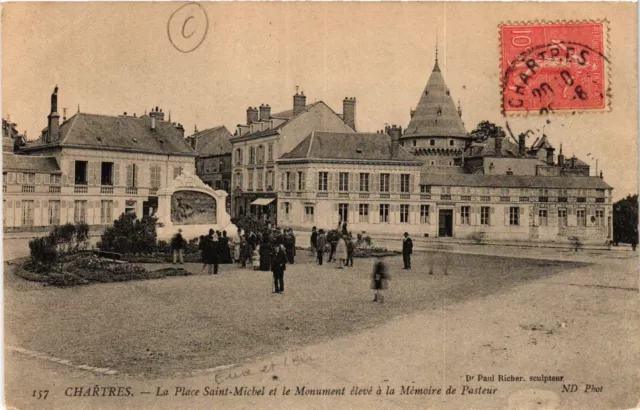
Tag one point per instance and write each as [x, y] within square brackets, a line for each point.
[320, 244]
[314, 238]
[407, 249]
[177, 247]
[351, 247]
[278, 266]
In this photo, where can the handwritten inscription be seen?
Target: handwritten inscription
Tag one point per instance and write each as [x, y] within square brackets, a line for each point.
[187, 27]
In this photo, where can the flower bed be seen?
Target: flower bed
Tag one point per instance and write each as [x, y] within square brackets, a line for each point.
[87, 268]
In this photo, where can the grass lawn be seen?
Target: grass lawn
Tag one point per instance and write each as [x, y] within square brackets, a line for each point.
[161, 327]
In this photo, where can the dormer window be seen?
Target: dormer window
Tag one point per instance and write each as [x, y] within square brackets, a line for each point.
[359, 150]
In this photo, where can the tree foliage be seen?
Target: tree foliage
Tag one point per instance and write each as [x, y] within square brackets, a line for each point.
[130, 235]
[625, 220]
[485, 130]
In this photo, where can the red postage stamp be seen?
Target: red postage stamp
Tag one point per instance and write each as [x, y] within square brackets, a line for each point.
[554, 67]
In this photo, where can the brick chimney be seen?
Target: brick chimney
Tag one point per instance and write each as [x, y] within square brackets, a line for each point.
[157, 114]
[265, 112]
[53, 130]
[394, 132]
[498, 144]
[252, 115]
[560, 157]
[349, 112]
[522, 144]
[299, 102]
[550, 151]
[180, 128]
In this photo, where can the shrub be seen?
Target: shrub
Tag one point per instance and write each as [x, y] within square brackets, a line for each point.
[192, 246]
[130, 235]
[250, 223]
[163, 247]
[42, 252]
[61, 241]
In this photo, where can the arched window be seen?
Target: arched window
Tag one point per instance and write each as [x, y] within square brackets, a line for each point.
[252, 155]
[238, 156]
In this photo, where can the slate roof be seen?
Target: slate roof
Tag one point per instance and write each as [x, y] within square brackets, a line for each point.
[541, 143]
[212, 141]
[28, 163]
[120, 132]
[286, 115]
[488, 148]
[436, 114]
[348, 146]
[513, 181]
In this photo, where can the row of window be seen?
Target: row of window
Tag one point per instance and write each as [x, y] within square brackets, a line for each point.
[84, 172]
[465, 214]
[290, 181]
[256, 155]
[210, 165]
[523, 192]
[30, 178]
[28, 211]
[363, 182]
[432, 143]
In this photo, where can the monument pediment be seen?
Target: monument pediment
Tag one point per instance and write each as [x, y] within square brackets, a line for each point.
[188, 180]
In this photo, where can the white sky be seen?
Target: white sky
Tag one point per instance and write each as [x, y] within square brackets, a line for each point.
[115, 57]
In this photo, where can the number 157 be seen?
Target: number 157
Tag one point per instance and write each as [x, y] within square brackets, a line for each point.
[40, 394]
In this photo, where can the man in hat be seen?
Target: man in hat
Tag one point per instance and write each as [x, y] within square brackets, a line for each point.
[407, 249]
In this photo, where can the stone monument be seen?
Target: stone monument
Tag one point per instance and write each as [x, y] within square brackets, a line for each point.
[193, 206]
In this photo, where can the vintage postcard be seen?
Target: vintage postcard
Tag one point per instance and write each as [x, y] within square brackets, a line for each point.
[277, 205]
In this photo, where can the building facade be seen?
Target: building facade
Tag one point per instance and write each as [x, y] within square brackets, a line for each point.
[364, 179]
[213, 164]
[257, 145]
[443, 184]
[92, 168]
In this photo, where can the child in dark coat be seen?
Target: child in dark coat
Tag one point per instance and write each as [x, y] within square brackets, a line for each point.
[379, 280]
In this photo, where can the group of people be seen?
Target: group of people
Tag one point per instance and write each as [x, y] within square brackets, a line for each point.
[340, 244]
[214, 248]
[271, 250]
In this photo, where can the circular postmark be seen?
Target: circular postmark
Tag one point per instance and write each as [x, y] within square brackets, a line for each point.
[560, 75]
[187, 27]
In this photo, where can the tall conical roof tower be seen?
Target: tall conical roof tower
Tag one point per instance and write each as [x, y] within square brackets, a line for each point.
[436, 114]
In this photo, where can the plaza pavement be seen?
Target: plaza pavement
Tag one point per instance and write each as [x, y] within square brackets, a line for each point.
[581, 324]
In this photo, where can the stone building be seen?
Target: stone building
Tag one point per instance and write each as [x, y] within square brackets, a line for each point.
[92, 168]
[265, 137]
[365, 179]
[213, 164]
[442, 183]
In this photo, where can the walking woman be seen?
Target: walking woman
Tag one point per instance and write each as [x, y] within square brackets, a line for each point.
[225, 250]
[341, 252]
[266, 251]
